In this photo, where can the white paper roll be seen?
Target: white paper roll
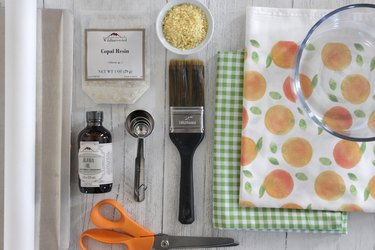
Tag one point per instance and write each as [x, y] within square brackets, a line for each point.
[20, 94]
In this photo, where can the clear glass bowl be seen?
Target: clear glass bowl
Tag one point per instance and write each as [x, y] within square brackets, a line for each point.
[338, 54]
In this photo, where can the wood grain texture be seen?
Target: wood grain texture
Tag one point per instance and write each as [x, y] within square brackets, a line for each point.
[159, 211]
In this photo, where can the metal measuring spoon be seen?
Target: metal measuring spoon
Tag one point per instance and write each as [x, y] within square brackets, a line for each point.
[139, 124]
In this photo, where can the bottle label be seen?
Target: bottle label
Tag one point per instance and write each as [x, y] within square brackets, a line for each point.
[95, 163]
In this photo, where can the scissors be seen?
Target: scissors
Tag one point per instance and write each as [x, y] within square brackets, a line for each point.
[136, 237]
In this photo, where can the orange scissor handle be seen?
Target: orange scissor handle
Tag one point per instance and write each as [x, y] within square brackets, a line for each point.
[113, 237]
[125, 223]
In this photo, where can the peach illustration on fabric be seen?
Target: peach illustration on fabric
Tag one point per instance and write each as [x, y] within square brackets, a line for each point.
[355, 88]
[338, 119]
[254, 85]
[350, 208]
[291, 206]
[336, 56]
[245, 117]
[371, 187]
[248, 150]
[301, 166]
[246, 204]
[371, 122]
[329, 186]
[347, 154]
[297, 152]
[278, 184]
[279, 120]
[306, 87]
[283, 54]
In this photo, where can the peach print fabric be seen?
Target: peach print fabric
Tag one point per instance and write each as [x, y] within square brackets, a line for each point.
[286, 160]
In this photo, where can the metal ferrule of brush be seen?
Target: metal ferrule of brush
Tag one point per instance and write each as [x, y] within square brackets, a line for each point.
[186, 119]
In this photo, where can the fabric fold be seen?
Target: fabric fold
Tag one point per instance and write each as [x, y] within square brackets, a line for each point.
[227, 214]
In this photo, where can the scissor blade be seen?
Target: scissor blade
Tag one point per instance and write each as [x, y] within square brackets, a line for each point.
[191, 242]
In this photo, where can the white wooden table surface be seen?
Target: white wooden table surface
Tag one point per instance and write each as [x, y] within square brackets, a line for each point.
[159, 211]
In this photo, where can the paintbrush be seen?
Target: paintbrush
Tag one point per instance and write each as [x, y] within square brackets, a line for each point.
[186, 101]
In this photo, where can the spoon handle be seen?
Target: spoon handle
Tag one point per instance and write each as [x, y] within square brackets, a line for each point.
[139, 178]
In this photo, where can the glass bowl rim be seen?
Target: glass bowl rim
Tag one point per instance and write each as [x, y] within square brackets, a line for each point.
[296, 74]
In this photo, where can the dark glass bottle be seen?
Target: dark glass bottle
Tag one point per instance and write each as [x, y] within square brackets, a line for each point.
[95, 156]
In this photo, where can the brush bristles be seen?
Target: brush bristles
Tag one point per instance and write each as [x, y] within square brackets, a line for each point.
[186, 83]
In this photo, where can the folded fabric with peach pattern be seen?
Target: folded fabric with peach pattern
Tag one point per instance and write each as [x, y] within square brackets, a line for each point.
[286, 160]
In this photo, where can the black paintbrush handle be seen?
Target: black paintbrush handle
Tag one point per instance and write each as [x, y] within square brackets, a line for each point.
[186, 208]
[186, 144]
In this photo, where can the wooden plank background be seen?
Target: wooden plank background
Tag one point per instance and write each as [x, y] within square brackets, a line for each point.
[159, 211]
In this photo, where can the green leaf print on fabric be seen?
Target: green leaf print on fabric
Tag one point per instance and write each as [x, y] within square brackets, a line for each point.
[302, 124]
[259, 144]
[372, 64]
[273, 161]
[255, 43]
[363, 147]
[248, 187]
[352, 176]
[359, 47]
[325, 161]
[359, 60]
[301, 176]
[261, 191]
[268, 61]
[320, 130]
[275, 95]
[353, 190]
[255, 57]
[247, 173]
[332, 84]
[314, 81]
[255, 110]
[359, 113]
[273, 147]
[366, 194]
[333, 98]
[310, 47]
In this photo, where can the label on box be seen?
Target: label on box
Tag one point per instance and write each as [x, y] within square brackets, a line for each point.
[115, 54]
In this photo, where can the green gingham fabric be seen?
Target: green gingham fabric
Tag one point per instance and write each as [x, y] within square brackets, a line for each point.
[227, 214]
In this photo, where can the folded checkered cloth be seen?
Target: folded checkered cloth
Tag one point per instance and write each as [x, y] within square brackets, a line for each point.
[227, 214]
